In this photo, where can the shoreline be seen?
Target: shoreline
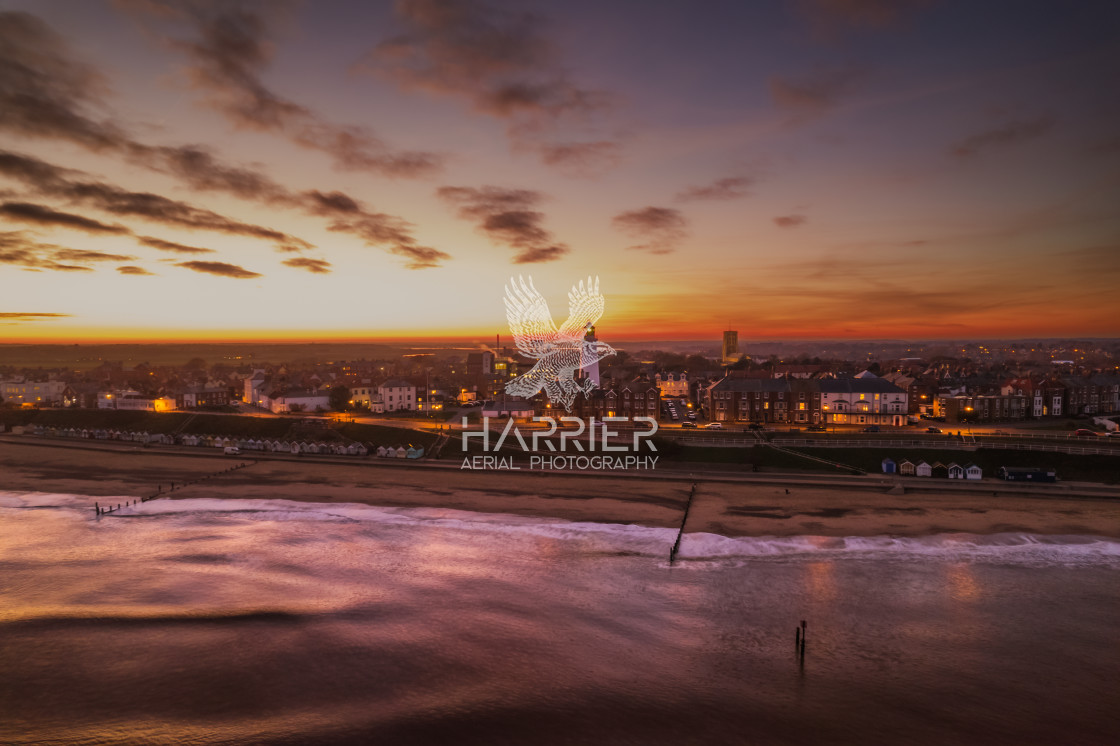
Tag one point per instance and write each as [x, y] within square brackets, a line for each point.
[725, 503]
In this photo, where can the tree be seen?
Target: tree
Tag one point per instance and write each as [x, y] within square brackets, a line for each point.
[339, 398]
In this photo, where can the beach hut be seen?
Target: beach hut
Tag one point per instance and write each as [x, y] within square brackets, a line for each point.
[401, 452]
[382, 451]
[906, 468]
[923, 469]
[415, 451]
[972, 471]
[889, 466]
[956, 471]
[939, 470]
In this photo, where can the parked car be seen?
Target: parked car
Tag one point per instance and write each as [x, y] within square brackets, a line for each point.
[692, 415]
[756, 426]
[688, 424]
[1112, 434]
[817, 429]
[933, 429]
[871, 429]
[230, 450]
[714, 426]
[1084, 433]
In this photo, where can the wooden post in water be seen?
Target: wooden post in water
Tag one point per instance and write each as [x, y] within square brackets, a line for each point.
[97, 508]
[684, 519]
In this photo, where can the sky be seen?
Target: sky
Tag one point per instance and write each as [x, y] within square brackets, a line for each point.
[791, 169]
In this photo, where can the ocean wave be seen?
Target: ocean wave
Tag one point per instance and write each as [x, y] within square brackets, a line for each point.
[697, 549]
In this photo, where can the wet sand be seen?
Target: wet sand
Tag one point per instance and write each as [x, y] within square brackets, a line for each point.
[812, 505]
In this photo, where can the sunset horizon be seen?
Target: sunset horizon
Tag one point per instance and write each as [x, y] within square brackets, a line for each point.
[812, 169]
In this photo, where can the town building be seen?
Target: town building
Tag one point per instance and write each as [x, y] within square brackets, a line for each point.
[862, 401]
[672, 385]
[398, 395]
[19, 392]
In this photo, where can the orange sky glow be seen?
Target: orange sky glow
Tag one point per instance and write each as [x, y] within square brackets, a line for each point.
[338, 171]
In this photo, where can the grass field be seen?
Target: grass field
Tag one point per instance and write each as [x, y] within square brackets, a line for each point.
[236, 426]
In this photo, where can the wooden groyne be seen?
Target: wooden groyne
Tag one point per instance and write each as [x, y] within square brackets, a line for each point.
[99, 511]
[684, 519]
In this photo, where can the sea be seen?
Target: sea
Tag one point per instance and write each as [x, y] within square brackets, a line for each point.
[208, 621]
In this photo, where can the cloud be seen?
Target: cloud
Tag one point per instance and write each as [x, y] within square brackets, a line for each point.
[732, 187]
[43, 92]
[22, 316]
[1008, 134]
[39, 215]
[84, 255]
[178, 248]
[660, 228]
[581, 158]
[499, 59]
[315, 266]
[47, 179]
[133, 270]
[227, 54]
[19, 249]
[790, 221]
[813, 95]
[219, 268]
[51, 99]
[830, 16]
[507, 217]
[203, 172]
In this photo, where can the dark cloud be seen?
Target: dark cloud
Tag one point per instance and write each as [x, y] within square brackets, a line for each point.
[507, 217]
[84, 255]
[498, 58]
[790, 221]
[129, 269]
[811, 96]
[219, 268]
[19, 249]
[178, 248]
[51, 99]
[45, 93]
[732, 187]
[582, 158]
[661, 229]
[203, 172]
[39, 215]
[315, 266]
[49, 180]
[1008, 134]
[21, 316]
[227, 54]
[334, 203]
[833, 15]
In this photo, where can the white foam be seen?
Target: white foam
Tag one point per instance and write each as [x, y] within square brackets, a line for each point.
[699, 549]
[1014, 547]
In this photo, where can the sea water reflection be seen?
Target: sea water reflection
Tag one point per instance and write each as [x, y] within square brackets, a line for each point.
[277, 622]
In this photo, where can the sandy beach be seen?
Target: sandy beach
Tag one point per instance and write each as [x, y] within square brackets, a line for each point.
[732, 508]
